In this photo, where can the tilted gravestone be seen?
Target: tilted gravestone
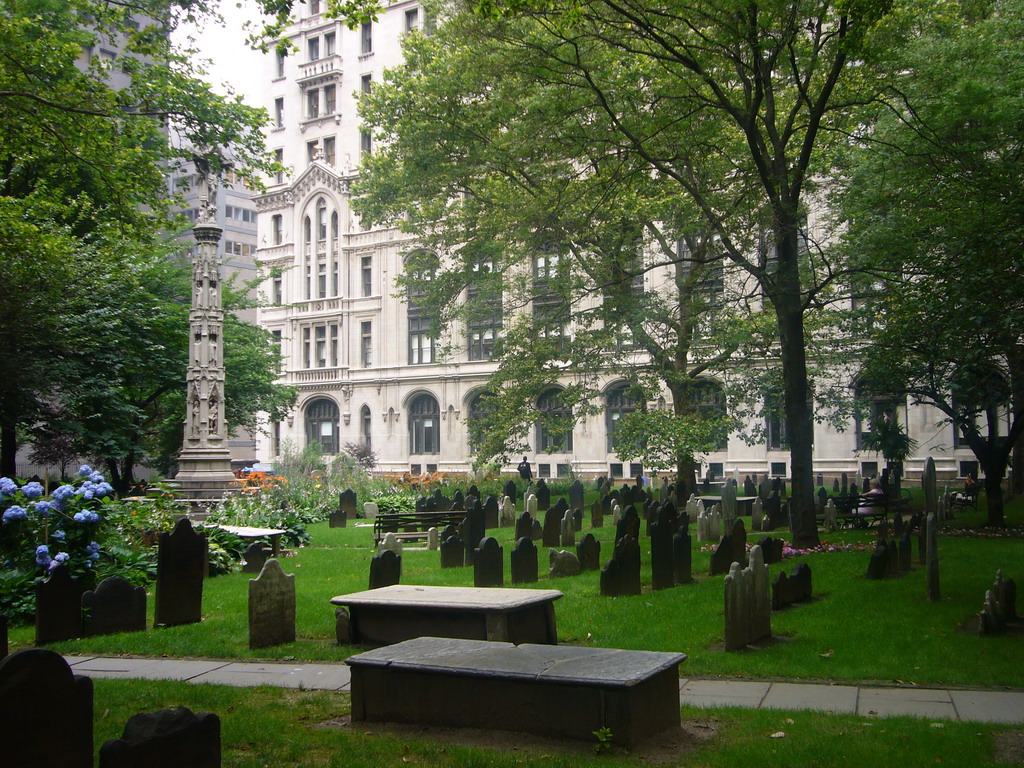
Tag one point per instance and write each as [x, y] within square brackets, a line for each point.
[347, 502]
[576, 495]
[596, 514]
[621, 574]
[45, 712]
[511, 491]
[272, 606]
[386, 569]
[171, 738]
[771, 549]
[453, 552]
[588, 550]
[58, 607]
[932, 558]
[568, 531]
[255, 556]
[489, 564]
[662, 567]
[562, 562]
[747, 603]
[682, 556]
[476, 524]
[524, 561]
[543, 494]
[491, 512]
[180, 566]
[524, 526]
[115, 606]
[552, 528]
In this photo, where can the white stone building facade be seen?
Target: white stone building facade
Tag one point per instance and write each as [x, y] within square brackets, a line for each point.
[356, 350]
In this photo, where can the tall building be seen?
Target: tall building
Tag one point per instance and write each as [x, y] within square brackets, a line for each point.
[358, 348]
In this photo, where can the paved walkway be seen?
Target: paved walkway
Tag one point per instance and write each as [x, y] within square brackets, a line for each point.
[985, 706]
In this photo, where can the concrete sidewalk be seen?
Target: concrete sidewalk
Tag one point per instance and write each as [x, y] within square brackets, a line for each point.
[983, 706]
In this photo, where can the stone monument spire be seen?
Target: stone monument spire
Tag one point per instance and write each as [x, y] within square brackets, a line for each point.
[204, 465]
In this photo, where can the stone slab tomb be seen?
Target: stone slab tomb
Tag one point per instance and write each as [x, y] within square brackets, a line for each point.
[115, 606]
[556, 691]
[181, 564]
[170, 738]
[271, 606]
[43, 703]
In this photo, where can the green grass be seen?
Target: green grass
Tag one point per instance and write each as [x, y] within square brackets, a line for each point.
[264, 726]
[854, 630]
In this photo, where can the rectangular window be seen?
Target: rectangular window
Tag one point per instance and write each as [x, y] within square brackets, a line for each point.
[366, 37]
[238, 213]
[313, 48]
[562, 470]
[330, 99]
[234, 248]
[615, 470]
[330, 150]
[329, 40]
[367, 270]
[281, 56]
[276, 340]
[421, 345]
[279, 112]
[313, 103]
[543, 470]
[365, 142]
[716, 470]
[636, 469]
[415, 469]
[412, 19]
[311, 150]
[321, 280]
[276, 227]
[278, 292]
[778, 469]
[366, 83]
[869, 468]
[306, 347]
[321, 346]
[366, 343]
[334, 345]
[279, 159]
[314, 7]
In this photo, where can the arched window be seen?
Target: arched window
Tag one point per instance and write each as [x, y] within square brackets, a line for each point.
[618, 402]
[481, 406]
[550, 406]
[321, 219]
[424, 425]
[872, 407]
[307, 230]
[365, 425]
[708, 398]
[322, 424]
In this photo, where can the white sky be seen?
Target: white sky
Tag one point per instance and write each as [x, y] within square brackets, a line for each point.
[231, 59]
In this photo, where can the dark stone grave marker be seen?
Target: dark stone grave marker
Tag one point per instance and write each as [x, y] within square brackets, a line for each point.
[347, 502]
[524, 561]
[662, 570]
[561, 507]
[682, 556]
[180, 566]
[577, 520]
[878, 565]
[835, 486]
[588, 550]
[820, 480]
[552, 528]
[476, 528]
[45, 712]
[58, 607]
[170, 738]
[576, 495]
[538, 531]
[543, 494]
[772, 549]
[721, 558]
[905, 556]
[386, 568]
[489, 564]
[800, 578]
[621, 574]
[458, 500]
[597, 514]
[510, 490]
[524, 526]
[738, 537]
[338, 518]
[490, 512]
[272, 606]
[255, 556]
[115, 606]
[453, 551]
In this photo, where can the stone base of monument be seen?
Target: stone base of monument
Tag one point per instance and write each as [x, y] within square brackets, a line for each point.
[557, 691]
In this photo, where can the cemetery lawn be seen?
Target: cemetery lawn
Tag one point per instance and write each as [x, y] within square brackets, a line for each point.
[264, 726]
[855, 630]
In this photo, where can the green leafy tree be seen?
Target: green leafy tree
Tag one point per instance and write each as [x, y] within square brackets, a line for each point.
[934, 211]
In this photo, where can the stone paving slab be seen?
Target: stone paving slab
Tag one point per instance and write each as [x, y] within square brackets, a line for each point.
[723, 693]
[321, 677]
[841, 699]
[915, 702]
[989, 706]
[146, 669]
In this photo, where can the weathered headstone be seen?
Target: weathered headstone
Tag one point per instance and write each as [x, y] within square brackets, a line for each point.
[511, 491]
[347, 502]
[621, 574]
[58, 607]
[459, 500]
[596, 514]
[370, 510]
[180, 566]
[819, 480]
[433, 539]
[538, 531]
[115, 606]
[171, 738]
[441, 503]
[682, 556]
[524, 561]
[662, 567]
[878, 565]
[588, 550]
[392, 543]
[568, 531]
[385, 569]
[932, 557]
[757, 515]
[476, 525]
[337, 519]
[453, 552]
[543, 494]
[663, 491]
[491, 512]
[800, 578]
[489, 564]
[831, 515]
[524, 526]
[508, 512]
[272, 606]
[747, 603]
[749, 488]
[473, 491]
[835, 485]
[45, 712]
[738, 535]
[254, 557]
[729, 511]
[562, 562]
[576, 495]
[577, 520]
[771, 549]
[530, 504]
[552, 528]
[721, 558]
[1005, 591]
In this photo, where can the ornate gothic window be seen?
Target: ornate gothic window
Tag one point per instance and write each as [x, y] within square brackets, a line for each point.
[550, 406]
[424, 425]
[322, 424]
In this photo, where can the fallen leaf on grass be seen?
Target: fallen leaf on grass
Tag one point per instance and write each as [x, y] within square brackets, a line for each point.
[778, 735]
[827, 654]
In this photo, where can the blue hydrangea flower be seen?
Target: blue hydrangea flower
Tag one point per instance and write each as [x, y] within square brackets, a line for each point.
[59, 559]
[84, 471]
[13, 514]
[86, 516]
[104, 489]
[32, 490]
[63, 493]
[7, 486]
[93, 548]
[43, 555]
[43, 508]
[57, 535]
[96, 477]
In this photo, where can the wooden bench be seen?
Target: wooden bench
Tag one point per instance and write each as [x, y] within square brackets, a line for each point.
[558, 691]
[403, 611]
[967, 498]
[410, 526]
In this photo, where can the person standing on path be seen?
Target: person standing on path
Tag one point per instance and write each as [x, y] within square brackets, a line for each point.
[525, 472]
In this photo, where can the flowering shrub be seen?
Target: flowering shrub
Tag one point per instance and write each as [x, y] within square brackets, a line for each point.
[38, 534]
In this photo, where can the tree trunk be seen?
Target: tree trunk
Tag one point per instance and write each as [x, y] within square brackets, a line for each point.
[8, 450]
[994, 497]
